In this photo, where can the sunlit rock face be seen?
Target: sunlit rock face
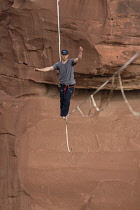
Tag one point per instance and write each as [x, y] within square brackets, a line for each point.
[102, 171]
[107, 30]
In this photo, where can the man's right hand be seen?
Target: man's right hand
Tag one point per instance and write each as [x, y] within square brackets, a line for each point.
[50, 68]
[36, 69]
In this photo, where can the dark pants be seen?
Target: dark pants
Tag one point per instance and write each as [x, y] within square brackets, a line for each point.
[65, 96]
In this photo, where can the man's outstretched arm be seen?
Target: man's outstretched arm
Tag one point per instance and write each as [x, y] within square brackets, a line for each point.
[76, 60]
[50, 68]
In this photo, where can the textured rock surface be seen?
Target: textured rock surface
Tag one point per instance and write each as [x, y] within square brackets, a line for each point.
[103, 170]
[109, 32]
[38, 173]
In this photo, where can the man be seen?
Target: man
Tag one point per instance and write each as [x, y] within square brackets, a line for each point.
[66, 79]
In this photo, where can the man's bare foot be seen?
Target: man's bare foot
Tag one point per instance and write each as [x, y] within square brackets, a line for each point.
[64, 118]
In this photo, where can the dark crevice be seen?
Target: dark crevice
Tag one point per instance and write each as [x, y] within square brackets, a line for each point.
[12, 196]
[24, 63]
[28, 95]
[6, 133]
[3, 16]
[111, 43]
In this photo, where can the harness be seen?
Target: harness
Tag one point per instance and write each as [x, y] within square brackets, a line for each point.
[65, 87]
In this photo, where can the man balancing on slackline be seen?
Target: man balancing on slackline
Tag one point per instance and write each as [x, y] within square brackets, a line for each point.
[66, 79]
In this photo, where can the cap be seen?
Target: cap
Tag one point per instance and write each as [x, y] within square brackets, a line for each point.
[64, 52]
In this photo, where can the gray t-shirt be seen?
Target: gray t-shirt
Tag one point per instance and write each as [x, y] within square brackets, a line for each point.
[66, 72]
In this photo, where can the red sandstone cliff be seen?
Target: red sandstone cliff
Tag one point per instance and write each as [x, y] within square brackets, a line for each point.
[36, 172]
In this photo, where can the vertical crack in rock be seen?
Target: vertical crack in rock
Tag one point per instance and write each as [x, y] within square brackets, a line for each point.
[12, 195]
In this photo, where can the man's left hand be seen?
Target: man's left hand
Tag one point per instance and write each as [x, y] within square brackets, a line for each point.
[80, 49]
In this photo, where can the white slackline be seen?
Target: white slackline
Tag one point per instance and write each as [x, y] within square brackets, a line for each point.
[59, 38]
[67, 136]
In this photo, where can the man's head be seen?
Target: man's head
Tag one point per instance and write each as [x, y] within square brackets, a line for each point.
[64, 55]
[64, 52]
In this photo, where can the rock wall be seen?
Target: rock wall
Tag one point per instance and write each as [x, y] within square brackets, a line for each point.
[102, 172]
[37, 171]
[107, 30]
